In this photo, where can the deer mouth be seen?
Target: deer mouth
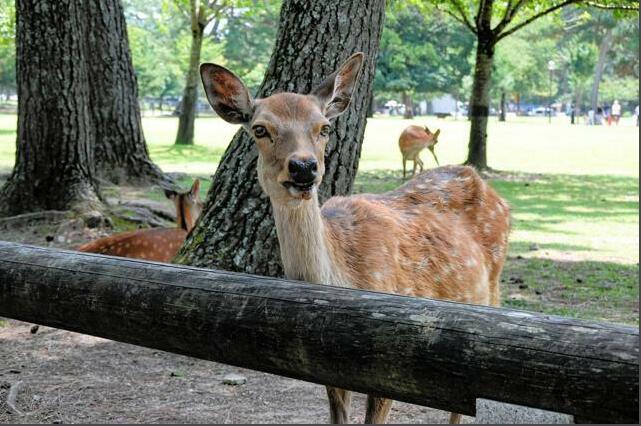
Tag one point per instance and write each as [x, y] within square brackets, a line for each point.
[302, 189]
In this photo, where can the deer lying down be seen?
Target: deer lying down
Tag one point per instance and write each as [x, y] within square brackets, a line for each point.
[159, 244]
[412, 141]
[442, 235]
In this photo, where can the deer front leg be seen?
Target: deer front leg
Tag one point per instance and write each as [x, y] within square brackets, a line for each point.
[434, 155]
[339, 405]
[377, 410]
[404, 169]
[414, 168]
[420, 163]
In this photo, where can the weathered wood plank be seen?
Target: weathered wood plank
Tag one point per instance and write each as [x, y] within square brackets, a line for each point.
[434, 353]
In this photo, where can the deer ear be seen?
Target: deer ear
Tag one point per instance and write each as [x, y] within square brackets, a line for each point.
[335, 92]
[438, 132]
[427, 130]
[227, 94]
[195, 189]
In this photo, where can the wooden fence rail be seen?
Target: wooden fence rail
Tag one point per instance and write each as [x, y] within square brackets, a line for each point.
[439, 354]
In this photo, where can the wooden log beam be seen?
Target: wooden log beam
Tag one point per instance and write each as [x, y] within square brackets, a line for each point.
[433, 353]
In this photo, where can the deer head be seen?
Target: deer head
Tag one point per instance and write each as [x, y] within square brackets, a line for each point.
[291, 130]
[188, 205]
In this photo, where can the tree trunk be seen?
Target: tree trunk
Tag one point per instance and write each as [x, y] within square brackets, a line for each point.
[236, 230]
[185, 134]
[480, 105]
[409, 107]
[371, 107]
[604, 48]
[502, 106]
[54, 160]
[121, 152]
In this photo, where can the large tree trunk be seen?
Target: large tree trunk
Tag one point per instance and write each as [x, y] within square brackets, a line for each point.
[54, 159]
[604, 48]
[121, 152]
[236, 230]
[185, 135]
[480, 105]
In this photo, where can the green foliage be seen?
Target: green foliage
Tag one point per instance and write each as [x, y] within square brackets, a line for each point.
[422, 53]
[7, 46]
[248, 39]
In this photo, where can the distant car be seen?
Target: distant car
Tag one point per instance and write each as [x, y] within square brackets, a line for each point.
[539, 112]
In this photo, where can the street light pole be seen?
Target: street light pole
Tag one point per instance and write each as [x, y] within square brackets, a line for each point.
[551, 68]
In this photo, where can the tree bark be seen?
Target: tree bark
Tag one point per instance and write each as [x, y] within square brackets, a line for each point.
[236, 230]
[604, 48]
[185, 135]
[480, 105]
[409, 107]
[121, 152]
[502, 106]
[54, 157]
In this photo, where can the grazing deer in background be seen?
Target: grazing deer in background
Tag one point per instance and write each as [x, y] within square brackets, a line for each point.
[412, 141]
[442, 235]
[159, 244]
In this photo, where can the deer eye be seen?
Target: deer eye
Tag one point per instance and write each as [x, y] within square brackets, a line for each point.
[325, 130]
[260, 132]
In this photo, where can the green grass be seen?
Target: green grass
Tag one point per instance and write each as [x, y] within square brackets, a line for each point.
[574, 192]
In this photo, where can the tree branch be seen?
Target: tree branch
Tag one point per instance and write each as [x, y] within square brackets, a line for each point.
[533, 18]
[462, 18]
[182, 10]
[510, 12]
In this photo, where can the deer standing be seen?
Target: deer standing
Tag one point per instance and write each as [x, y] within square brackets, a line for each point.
[159, 244]
[412, 141]
[442, 235]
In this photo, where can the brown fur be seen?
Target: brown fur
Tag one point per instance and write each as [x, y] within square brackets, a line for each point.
[160, 244]
[441, 235]
[412, 141]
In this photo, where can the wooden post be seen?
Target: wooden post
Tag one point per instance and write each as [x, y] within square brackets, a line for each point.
[434, 353]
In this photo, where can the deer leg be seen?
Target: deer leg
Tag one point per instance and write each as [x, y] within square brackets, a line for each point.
[414, 168]
[455, 418]
[420, 163]
[377, 410]
[404, 172]
[434, 155]
[339, 405]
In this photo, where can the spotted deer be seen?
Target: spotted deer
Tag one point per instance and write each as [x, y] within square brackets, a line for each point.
[412, 141]
[159, 244]
[442, 235]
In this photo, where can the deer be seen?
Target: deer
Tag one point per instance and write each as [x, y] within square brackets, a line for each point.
[441, 235]
[157, 244]
[412, 141]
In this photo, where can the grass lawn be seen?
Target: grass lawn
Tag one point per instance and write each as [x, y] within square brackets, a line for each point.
[574, 192]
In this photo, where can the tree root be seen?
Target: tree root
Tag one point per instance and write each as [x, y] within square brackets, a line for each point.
[29, 218]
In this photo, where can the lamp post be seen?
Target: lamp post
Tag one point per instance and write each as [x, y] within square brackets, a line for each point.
[551, 68]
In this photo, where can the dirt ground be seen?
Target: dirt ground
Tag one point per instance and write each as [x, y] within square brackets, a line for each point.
[68, 377]
[74, 378]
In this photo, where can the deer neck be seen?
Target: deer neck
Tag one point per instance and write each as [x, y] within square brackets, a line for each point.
[304, 243]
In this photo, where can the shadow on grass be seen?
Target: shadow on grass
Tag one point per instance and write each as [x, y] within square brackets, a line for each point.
[603, 291]
[185, 153]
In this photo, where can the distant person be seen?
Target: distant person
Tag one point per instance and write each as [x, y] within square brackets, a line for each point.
[598, 118]
[572, 114]
[615, 112]
[636, 115]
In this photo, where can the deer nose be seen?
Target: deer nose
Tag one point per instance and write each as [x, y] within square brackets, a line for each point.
[303, 171]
